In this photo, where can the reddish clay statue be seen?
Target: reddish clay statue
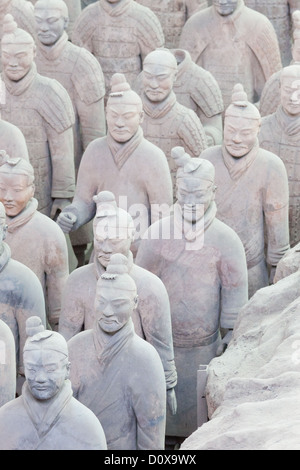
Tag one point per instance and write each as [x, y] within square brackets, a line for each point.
[80, 74]
[43, 111]
[34, 239]
[234, 43]
[114, 233]
[270, 98]
[202, 263]
[167, 123]
[21, 294]
[123, 162]
[117, 374]
[120, 33]
[252, 195]
[46, 416]
[279, 12]
[280, 134]
[172, 15]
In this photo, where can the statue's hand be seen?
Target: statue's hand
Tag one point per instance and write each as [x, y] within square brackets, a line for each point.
[172, 401]
[57, 206]
[66, 220]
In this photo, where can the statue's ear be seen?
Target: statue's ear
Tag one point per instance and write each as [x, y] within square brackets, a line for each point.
[141, 116]
[136, 301]
[66, 23]
[68, 366]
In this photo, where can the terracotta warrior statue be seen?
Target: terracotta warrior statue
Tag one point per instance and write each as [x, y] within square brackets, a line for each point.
[123, 162]
[172, 15]
[117, 374]
[47, 416]
[74, 10]
[21, 294]
[22, 11]
[196, 88]
[8, 371]
[236, 44]
[202, 263]
[279, 12]
[80, 74]
[252, 195]
[167, 123]
[34, 239]
[270, 98]
[74, 67]
[280, 134]
[120, 33]
[113, 233]
[43, 111]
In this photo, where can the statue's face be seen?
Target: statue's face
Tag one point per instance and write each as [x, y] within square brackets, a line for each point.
[240, 135]
[113, 306]
[17, 60]
[15, 192]
[290, 95]
[194, 196]
[158, 81]
[123, 121]
[225, 7]
[49, 24]
[110, 238]
[45, 372]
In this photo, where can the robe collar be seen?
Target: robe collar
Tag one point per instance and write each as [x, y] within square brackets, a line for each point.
[122, 151]
[108, 346]
[158, 110]
[290, 125]
[117, 9]
[193, 234]
[45, 417]
[19, 87]
[23, 217]
[54, 52]
[238, 166]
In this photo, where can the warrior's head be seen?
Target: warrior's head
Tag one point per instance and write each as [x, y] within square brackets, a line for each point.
[241, 124]
[113, 229]
[195, 180]
[124, 110]
[290, 89]
[159, 74]
[16, 183]
[45, 360]
[51, 20]
[116, 295]
[18, 50]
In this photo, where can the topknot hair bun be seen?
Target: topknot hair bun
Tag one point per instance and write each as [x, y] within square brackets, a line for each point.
[239, 96]
[119, 83]
[118, 264]
[9, 24]
[33, 326]
[180, 157]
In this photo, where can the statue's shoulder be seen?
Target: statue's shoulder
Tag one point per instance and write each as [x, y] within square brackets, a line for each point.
[53, 103]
